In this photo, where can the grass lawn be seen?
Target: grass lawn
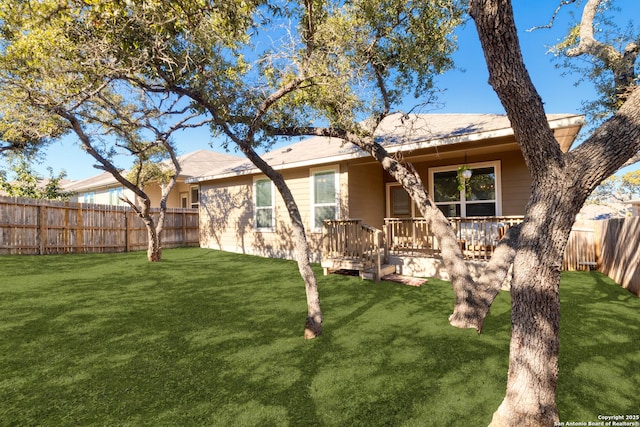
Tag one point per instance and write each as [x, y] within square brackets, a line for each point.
[209, 338]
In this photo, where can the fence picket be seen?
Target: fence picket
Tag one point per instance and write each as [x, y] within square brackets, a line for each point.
[29, 226]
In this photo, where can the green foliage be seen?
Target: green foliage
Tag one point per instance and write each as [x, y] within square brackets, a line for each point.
[28, 183]
[366, 56]
[151, 165]
[606, 67]
[112, 340]
[617, 188]
[251, 66]
[462, 181]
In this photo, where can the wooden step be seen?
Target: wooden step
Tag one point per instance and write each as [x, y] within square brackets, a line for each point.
[370, 274]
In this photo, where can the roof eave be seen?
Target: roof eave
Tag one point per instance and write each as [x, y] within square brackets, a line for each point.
[564, 122]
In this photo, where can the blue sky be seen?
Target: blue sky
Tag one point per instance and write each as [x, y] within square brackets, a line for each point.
[465, 89]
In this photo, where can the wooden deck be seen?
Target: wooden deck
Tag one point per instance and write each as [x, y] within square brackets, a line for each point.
[365, 271]
[352, 245]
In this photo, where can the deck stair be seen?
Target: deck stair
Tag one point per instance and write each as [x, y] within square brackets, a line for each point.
[352, 245]
[371, 274]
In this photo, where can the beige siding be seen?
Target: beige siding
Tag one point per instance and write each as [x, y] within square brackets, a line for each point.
[516, 184]
[226, 213]
[227, 223]
[367, 194]
[367, 186]
[102, 195]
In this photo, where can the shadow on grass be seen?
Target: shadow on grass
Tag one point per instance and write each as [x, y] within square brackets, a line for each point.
[599, 351]
[211, 338]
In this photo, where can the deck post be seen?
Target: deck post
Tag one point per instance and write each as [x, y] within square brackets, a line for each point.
[379, 249]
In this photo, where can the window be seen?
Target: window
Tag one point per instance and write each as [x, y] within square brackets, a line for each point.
[324, 196]
[399, 203]
[195, 197]
[480, 197]
[114, 196]
[184, 200]
[88, 197]
[264, 218]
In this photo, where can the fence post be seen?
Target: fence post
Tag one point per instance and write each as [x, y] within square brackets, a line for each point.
[127, 242]
[66, 230]
[41, 210]
[79, 230]
[184, 228]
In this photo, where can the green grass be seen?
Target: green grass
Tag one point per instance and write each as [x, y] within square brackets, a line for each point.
[216, 339]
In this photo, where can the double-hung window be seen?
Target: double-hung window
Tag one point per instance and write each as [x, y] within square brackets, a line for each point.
[264, 206]
[476, 196]
[324, 196]
[195, 197]
[88, 197]
[115, 195]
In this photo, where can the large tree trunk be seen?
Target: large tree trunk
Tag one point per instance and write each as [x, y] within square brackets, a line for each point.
[561, 184]
[302, 252]
[535, 310]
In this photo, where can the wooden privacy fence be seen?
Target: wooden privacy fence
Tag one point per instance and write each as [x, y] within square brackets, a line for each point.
[619, 251]
[581, 251]
[611, 246]
[29, 226]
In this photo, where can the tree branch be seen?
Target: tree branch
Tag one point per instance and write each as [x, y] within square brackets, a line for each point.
[553, 17]
[512, 83]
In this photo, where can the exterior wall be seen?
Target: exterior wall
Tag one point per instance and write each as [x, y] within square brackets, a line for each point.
[227, 215]
[367, 194]
[516, 184]
[102, 196]
[227, 206]
[434, 267]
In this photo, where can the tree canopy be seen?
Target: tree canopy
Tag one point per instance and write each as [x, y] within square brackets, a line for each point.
[28, 183]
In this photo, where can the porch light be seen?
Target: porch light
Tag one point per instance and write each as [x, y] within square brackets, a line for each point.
[466, 174]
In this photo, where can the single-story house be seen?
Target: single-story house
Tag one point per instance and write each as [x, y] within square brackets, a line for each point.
[106, 190]
[343, 192]
[635, 207]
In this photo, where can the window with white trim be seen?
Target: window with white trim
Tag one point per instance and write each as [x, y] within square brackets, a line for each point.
[88, 197]
[195, 196]
[480, 195]
[115, 195]
[264, 206]
[399, 203]
[325, 193]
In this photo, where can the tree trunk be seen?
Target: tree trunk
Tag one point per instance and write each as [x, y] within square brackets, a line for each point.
[302, 252]
[154, 248]
[530, 399]
[561, 184]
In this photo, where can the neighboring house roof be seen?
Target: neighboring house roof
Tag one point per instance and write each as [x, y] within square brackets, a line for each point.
[602, 211]
[193, 164]
[398, 133]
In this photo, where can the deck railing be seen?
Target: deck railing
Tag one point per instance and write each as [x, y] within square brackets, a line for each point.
[477, 236]
[351, 239]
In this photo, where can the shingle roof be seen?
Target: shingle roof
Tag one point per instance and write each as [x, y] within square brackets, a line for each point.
[193, 164]
[397, 133]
